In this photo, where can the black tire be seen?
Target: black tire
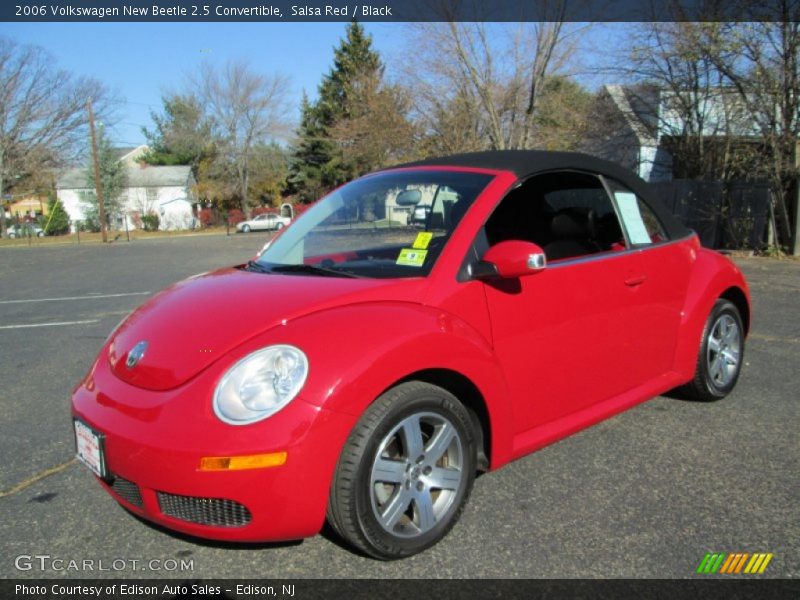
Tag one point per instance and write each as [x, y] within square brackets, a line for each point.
[279, 226]
[365, 508]
[719, 361]
[246, 229]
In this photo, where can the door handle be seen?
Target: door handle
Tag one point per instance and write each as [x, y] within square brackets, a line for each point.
[635, 280]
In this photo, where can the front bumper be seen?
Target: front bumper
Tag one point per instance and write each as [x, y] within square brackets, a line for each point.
[154, 442]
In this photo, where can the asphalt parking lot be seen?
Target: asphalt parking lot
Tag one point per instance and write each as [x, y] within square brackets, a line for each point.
[644, 494]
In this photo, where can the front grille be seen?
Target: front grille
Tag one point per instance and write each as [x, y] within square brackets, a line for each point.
[127, 490]
[205, 511]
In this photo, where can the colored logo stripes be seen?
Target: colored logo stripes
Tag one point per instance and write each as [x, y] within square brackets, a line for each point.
[735, 562]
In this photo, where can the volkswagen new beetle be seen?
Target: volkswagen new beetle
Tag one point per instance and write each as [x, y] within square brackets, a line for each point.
[365, 369]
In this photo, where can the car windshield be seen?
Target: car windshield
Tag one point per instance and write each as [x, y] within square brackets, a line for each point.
[370, 228]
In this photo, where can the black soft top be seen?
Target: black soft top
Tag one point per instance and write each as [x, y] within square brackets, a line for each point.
[525, 163]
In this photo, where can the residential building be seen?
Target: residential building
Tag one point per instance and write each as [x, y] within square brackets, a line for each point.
[165, 191]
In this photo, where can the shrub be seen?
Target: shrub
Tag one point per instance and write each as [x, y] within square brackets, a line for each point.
[57, 222]
[235, 216]
[208, 217]
[150, 222]
[260, 210]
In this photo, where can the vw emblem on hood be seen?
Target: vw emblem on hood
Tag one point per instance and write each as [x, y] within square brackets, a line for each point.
[136, 354]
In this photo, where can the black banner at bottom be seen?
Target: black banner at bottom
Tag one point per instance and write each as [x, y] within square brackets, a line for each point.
[353, 589]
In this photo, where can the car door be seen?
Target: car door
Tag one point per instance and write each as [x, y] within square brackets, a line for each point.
[576, 333]
[666, 266]
[259, 223]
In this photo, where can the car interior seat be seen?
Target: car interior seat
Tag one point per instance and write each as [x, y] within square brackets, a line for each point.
[574, 233]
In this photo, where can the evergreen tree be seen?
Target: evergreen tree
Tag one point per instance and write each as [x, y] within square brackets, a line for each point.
[353, 60]
[113, 179]
[317, 160]
[57, 221]
[182, 134]
[310, 155]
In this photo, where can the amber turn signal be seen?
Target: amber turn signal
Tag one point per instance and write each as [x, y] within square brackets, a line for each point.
[238, 463]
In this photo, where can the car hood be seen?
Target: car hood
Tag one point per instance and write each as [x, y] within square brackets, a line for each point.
[196, 322]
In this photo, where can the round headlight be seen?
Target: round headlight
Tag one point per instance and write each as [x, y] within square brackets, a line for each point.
[260, 384]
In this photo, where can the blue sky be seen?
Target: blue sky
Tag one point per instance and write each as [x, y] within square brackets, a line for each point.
[141, 61]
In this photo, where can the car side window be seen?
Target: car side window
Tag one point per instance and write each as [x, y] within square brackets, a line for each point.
[568, 214]
[639, 220]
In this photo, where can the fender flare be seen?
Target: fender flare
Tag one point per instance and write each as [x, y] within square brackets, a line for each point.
[713, 276]
[391, 343]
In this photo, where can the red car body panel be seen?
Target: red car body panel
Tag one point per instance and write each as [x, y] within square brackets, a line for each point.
[362, 336]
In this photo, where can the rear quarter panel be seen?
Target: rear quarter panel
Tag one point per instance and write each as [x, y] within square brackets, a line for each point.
[712, 276]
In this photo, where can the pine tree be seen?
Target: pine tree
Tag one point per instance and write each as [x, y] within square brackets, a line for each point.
[182, 135]
[353, 60]
[317, 161]
[310, 155]
[113, 179]
[57, 221]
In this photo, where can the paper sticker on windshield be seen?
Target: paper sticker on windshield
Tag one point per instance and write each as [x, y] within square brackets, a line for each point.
[411, 257]
[423, 239]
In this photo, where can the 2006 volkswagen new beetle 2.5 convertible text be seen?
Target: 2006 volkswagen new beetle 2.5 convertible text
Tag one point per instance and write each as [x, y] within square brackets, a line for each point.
[369, 364]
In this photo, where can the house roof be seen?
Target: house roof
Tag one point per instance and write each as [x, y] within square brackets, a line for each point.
[121, 153]
[635, 110]
[148, 176]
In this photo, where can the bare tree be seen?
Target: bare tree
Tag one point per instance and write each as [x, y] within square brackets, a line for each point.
[761, 62]
[246, 109]
[679, 98]
[42, 113]
[374, 131]
[492, 76]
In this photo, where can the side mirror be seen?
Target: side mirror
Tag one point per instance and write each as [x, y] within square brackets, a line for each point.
[408, 198]
[509, 260]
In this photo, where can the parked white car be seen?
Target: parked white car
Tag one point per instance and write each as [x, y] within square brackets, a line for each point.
[264, 222]
[25, 230]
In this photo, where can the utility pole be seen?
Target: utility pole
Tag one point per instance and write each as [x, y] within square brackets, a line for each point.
[98, 184]
[794, 248]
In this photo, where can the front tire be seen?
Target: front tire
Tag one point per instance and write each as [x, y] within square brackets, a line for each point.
[405, 473]
[246, 229]
[721, 354]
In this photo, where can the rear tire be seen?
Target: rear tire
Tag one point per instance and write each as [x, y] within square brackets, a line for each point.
[405, 473]
[719, 360]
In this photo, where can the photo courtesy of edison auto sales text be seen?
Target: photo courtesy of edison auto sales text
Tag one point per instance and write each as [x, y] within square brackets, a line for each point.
[168, 589]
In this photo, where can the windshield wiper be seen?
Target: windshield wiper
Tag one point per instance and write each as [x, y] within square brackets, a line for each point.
[256, 266]
[310, 269]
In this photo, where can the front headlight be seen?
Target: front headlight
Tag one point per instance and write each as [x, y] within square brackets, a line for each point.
[260, 384]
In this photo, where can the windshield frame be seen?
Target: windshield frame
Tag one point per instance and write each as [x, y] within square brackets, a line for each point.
[390, 259]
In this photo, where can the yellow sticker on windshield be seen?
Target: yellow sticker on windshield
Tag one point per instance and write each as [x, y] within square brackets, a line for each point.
[423, 239]
[411, 257]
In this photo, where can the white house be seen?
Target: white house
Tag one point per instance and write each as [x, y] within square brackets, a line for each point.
[165, 191]
[634, 124]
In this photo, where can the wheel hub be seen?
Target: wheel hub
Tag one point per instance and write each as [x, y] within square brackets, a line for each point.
[416, 474]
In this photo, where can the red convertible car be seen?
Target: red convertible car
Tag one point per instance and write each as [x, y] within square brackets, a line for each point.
[370, 368]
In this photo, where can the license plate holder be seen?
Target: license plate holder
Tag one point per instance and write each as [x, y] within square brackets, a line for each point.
[90, 448]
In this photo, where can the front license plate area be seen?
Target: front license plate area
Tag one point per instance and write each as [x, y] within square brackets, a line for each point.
[89, 448]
